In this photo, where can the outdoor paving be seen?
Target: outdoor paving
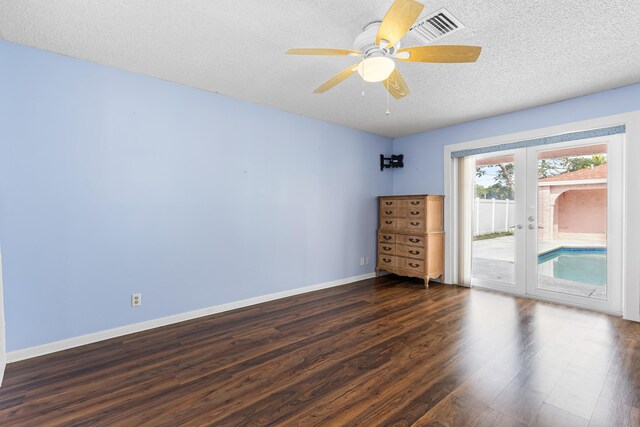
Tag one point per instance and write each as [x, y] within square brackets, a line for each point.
[493, 259]
[570, 287]
[492, 269]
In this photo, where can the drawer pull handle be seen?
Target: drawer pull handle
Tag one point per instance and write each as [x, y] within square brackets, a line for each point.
[388, 203]
[386, 237]
[412, 240]
[414, 252]
[388, 222]
[415, 212]
[388, 212]
[414, 223]
[386, 259]
[414, 265]
[386, 248]
[415, 203]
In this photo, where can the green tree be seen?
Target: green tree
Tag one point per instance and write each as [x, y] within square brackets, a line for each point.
[577, 163]
[481, 191]
[558, 166]
[547, 168]
[504, 180]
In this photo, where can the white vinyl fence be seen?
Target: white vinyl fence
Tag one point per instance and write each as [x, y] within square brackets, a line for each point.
[492, 216]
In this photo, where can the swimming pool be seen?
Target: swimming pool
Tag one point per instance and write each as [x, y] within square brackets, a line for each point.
[582, 265]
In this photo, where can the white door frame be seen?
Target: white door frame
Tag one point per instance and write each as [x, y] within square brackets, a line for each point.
[631, 197]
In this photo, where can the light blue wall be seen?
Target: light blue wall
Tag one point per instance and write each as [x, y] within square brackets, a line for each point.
[423, 153]
[113, 183]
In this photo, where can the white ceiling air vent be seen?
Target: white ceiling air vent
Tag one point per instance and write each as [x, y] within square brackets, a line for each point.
[435, 26]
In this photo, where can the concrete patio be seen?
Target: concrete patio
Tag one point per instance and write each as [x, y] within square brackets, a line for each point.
[493, 259]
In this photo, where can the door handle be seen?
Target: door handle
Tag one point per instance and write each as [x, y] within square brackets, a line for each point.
[519, 227]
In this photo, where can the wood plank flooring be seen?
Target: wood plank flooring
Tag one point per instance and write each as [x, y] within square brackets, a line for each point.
[383, 351]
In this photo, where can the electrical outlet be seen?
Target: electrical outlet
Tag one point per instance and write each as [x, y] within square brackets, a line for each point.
[136, 300]
[362, 261]
[368, 261]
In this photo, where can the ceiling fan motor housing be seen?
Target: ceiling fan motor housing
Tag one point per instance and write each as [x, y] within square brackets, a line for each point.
[366, 42]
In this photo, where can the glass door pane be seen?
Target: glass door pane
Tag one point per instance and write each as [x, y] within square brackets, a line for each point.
[494, 212]
[572, 188]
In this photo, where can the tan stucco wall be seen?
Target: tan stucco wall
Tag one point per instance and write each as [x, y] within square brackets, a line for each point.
[582, 212]
[572, 212]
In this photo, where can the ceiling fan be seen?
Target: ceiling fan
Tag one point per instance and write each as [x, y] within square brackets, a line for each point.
[379, 46]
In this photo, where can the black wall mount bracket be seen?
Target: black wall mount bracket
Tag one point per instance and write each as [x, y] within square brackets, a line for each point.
[395, 161]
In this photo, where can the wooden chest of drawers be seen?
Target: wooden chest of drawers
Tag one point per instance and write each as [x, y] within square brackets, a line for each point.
[411, 236]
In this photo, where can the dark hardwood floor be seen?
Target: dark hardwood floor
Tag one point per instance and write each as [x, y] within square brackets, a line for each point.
[379, 352]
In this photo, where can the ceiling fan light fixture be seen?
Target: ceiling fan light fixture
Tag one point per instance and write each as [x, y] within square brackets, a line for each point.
[376, 69]
[379, 44]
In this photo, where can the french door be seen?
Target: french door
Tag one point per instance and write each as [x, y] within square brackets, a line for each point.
[547, 222]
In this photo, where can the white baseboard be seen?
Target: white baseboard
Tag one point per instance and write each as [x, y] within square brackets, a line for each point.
[40, 350]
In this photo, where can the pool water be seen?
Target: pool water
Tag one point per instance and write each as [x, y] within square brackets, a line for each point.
[583, 265]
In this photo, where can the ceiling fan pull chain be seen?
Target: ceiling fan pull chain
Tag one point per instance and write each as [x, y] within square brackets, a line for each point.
[388, 112]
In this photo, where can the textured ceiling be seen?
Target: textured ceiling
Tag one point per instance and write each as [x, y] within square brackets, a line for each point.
[535, 52]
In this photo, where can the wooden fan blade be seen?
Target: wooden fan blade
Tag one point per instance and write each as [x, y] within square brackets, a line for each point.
[320, 51]
[440, 53]
[396, 85]
[401, 16]
[338, 78]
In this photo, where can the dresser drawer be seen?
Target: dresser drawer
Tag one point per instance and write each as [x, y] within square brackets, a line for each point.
[388, 212]
[387, 248]
[414, 213]
[412, 224]
[414, 265]
[413, 240]
[386, 238]
[388, 223]
[415, 252]
[388, 203]
[387, 260]
[415, 204]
